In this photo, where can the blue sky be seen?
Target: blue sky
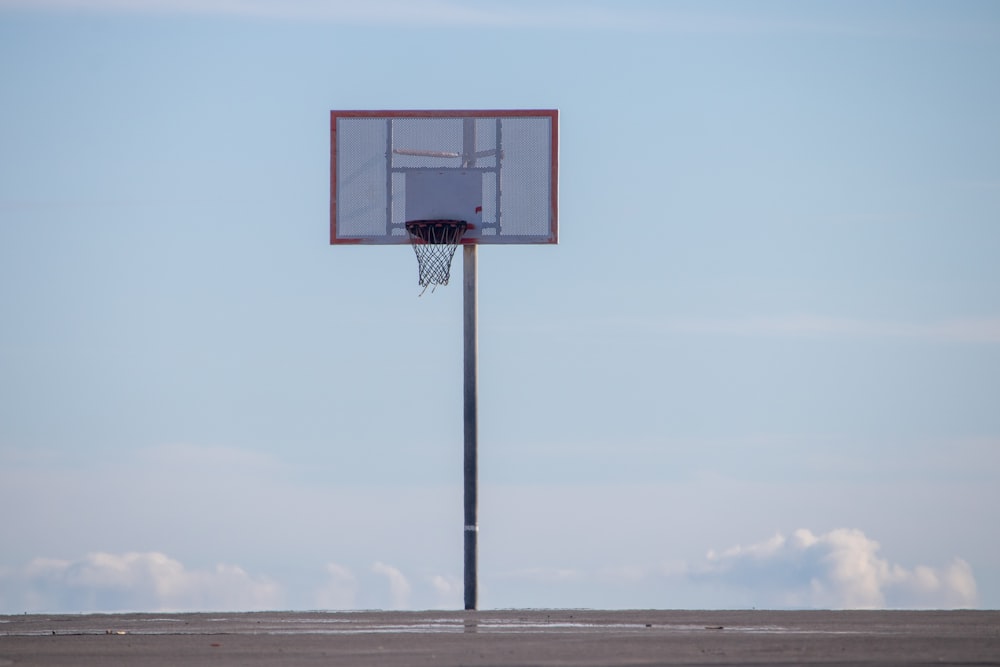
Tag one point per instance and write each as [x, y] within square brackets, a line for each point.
[761, 368]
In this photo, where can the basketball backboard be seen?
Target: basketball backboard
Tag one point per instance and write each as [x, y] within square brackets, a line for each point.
[495, 170]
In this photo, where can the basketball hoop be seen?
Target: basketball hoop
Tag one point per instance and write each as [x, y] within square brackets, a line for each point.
[449, 178]
[434, 242]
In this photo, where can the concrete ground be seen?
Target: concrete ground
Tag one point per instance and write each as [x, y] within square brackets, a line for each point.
[500, 638]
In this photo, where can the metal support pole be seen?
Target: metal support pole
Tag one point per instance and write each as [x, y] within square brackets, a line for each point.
[471, 316]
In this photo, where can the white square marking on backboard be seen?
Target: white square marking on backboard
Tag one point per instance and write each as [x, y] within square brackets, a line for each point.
[445, 194]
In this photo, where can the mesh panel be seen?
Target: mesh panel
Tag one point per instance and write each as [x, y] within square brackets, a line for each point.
[362, 195]
[525, 176]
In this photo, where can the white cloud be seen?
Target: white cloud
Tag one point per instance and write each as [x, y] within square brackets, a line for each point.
[389, 588]
[449, 591]
[150, 581]
[339, 591]
[154, 582]
[399, 587]
[840, 569]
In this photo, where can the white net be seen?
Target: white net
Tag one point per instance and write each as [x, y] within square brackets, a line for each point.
[434, 242]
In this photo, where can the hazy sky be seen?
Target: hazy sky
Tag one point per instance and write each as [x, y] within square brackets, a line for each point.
[761, 368]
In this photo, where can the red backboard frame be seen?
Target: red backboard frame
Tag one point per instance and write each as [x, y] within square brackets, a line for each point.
[548, 236]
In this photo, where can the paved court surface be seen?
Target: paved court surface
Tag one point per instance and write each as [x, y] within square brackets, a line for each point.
[536, 637]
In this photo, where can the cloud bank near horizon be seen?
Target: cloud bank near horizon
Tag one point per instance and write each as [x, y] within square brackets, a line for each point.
[840, 569]
[133, 581]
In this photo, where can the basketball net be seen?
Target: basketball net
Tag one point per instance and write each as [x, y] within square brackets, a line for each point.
[434, 242]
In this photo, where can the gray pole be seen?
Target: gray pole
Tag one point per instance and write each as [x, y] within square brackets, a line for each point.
[471, 316]
[471, 467]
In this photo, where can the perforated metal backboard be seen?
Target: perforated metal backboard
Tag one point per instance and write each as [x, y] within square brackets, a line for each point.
[495, 170]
